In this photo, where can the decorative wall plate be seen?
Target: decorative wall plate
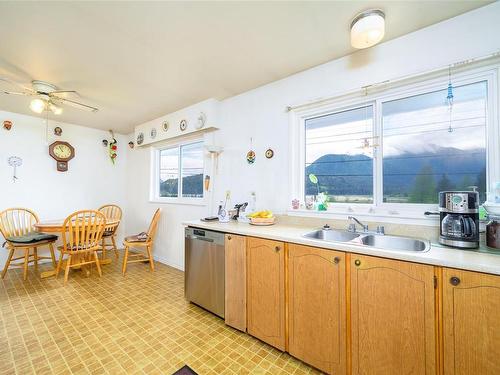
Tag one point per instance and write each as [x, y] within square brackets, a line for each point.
[251, 157]
[183, 125]
[140, 138]
[165, 126]
[269, 153]
[152, 133]
[202, 120]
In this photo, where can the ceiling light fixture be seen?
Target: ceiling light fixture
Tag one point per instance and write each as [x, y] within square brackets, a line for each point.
[37, 105]
[367, 28]
[55, 109]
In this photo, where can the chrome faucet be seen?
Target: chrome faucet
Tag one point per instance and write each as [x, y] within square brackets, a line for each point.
[352, 226]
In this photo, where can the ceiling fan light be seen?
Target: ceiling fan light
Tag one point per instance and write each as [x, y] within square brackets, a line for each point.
[367, 28]
[55, 109]
[37, 105]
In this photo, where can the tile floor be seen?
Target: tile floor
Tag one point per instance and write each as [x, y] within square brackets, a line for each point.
[139, 324]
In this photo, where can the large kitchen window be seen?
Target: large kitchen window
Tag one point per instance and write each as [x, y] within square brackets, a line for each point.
[179, 171]
[392, 151]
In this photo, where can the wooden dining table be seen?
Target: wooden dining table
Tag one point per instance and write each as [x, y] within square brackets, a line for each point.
[57, 226]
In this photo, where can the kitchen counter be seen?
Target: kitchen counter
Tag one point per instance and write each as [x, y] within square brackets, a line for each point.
[438, 255]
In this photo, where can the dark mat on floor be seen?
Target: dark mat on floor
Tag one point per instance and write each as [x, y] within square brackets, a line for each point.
[185, 370]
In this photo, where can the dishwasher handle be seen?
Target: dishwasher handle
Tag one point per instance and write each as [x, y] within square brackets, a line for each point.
[192, 237]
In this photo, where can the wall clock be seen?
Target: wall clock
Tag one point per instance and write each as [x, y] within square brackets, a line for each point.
[61, 152]
[183, 125]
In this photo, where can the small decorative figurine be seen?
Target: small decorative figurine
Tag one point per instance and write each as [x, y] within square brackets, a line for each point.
[7, 125]
[105, 142]
[131, 144]
[295, 204]
[57, 131]
[165, 126]
[251, 157]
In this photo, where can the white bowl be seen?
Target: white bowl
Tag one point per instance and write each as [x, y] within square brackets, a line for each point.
[492, 208]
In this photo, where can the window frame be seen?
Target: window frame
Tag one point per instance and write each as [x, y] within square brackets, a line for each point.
[378, 96]
[155, 174]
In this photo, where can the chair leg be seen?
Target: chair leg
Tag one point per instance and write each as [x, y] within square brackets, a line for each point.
[66, 272]
[35, 256]
[59, 264]
[52, 255]
[26, 261]
[97, 263]
[151, 263]
[125, 257]
[114, 246]
[103, 256]
[7, 263]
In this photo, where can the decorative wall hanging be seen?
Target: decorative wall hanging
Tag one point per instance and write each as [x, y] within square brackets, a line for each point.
[152, 133]
[251, 153]
[57, 131]
[14, 162]
[113, 147]
[202, 120]
[140, 138]
[131, 144]
[183, 125]
[61, 152]
[269, 153]
[165, 126]
[7, 125]
[105, 142]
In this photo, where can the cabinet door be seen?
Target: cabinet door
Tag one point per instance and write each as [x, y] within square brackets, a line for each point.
[317, 307]
[236, 281]
[471, 323]
[393, 317]
[266, 291]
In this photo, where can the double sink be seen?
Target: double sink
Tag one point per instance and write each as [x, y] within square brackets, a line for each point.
[395, 243]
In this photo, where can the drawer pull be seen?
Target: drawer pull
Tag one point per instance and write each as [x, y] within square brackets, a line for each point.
[228, 237]
[454, 281]
[277, 248]
[336, 260]
[357, 262]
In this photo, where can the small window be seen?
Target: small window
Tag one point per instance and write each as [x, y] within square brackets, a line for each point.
[339, 156]
[428, 148]
[180, 171]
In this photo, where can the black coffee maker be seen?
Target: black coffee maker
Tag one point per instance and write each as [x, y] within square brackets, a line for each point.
[459, 219]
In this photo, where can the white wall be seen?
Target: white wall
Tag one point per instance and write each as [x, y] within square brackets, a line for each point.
[261, 114]
[91, 180]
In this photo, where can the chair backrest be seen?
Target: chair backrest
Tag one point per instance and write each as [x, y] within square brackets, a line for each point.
[17, 222]
[84, 230]
[112, 212]
[154, 225]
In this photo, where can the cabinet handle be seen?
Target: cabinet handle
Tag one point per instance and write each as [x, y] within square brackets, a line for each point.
[454, 281]
[277, 248]
[228, 237]
[357, 262]
[336, 260]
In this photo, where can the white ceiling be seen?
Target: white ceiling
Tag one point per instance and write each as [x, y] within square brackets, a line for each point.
[137, 61]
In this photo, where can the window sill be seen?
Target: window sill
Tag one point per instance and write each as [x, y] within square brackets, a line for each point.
[180, 201]
[415, 218]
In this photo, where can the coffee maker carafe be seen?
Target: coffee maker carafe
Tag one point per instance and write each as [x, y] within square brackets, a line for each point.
[459, 219]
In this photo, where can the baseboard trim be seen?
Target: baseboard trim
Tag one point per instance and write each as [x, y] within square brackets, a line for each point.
[168, 262]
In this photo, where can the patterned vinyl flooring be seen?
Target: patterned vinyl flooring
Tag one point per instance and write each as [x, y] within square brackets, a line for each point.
[138, 324]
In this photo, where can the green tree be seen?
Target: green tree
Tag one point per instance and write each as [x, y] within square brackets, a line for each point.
[424, 189]
[444, 184]
[481, 184]
[466, 182]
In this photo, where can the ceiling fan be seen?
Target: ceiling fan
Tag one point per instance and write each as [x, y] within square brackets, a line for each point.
[46, 97]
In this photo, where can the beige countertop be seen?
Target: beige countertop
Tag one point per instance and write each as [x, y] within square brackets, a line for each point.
[437, 255]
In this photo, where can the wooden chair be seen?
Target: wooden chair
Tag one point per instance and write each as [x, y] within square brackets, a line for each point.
[111, 212]
[81, 238]
[147, 243]
[15, 222]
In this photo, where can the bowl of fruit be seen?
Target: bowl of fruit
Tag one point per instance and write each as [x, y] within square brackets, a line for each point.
[262, 218]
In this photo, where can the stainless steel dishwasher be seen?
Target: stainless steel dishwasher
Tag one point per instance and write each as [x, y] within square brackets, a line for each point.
[204, 269]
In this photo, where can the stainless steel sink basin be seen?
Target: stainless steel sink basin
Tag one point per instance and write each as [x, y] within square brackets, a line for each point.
[395, 243]
[332, 235]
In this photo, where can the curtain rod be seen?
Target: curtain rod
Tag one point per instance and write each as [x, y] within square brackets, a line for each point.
[398, 79]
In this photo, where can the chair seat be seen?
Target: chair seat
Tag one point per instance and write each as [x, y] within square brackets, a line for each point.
[32, 238]
[21, 245]
[80, 248]
[141, 237]
[108, 233]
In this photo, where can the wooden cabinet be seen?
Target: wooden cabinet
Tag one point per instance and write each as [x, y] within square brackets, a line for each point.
[266, 291]
[392, 317]
[471, 323]
[236, 281]
[317, 307]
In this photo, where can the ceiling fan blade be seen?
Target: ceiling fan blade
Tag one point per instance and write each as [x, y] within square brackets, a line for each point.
[25, 88]
[74, 104]
[63, 91]
[18, 93]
